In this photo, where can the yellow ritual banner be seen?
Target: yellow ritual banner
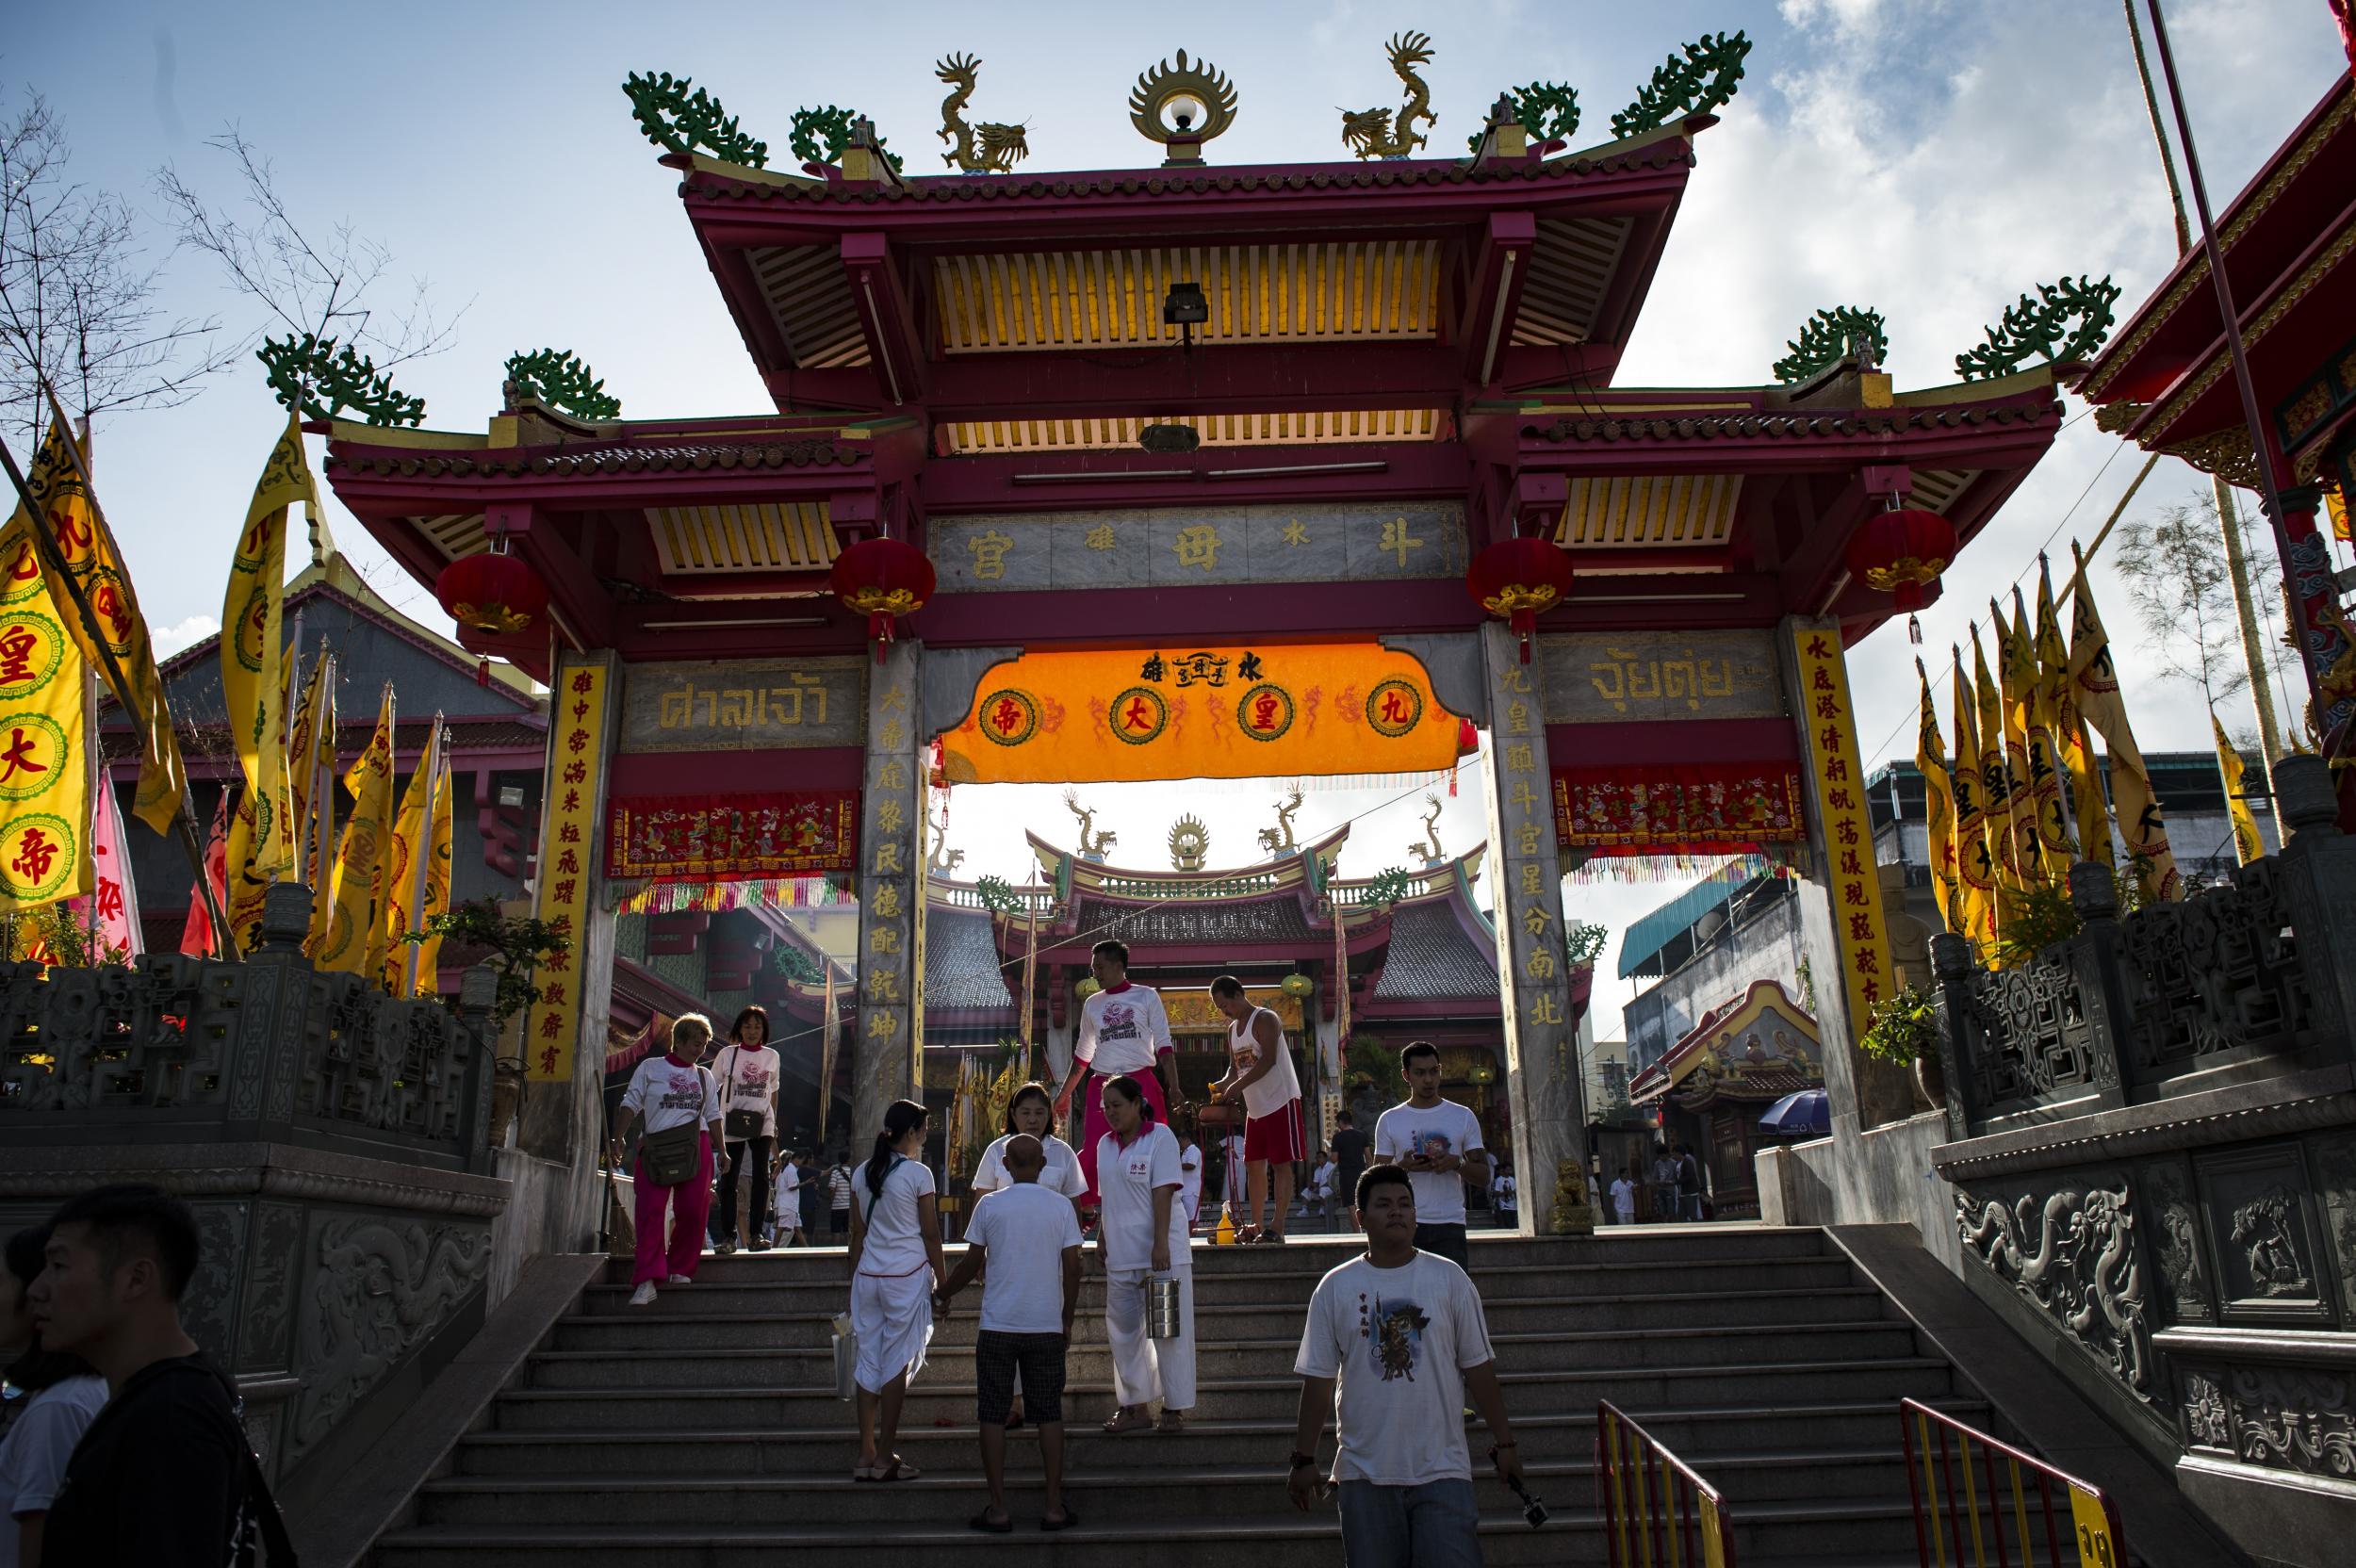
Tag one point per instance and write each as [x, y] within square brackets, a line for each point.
[1193, 1011]
[2005, 790]
[2094, 684]
[1191, 713]
[1837, 776]
[1939, 807]
[355, 928]
[1975, 860]
[94, 563]
[248, 884]
[253, 647]
[2072, 754]
[2248, 845]
[44, 763]
[562, 894]
[419, 888]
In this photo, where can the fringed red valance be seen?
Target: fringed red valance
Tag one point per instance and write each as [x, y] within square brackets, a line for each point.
[730, 837]
[1678, 809]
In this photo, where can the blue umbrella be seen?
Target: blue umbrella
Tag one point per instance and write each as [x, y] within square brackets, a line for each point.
[1796, 1114]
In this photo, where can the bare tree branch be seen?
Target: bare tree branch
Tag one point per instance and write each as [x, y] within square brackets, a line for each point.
[2182, 588]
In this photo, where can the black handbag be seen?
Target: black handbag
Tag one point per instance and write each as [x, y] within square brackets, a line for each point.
[739, 1126]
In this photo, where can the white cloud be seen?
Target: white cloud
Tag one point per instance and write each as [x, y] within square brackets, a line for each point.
[170, 640]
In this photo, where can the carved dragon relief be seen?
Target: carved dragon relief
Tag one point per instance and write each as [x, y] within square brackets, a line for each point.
[1372, 133]
[2073, 1257]
[379, 1288]
[990, 148]
[1279, 839]
[1429, 845]
[1090, 847]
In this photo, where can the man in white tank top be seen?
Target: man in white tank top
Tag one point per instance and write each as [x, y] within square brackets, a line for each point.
[1261, 1078]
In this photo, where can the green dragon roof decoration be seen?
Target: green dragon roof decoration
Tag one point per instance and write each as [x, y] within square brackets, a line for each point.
[1828, 335]
[557, 378]
[1704, 79]
[834, 125]
[1547, 110]
[2042, 326]
[321, 378]
[679, 120]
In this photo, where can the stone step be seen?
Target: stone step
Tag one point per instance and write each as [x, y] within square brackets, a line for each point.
[1788, 1533]
[625, 1408]
[674, 1320]
[1705, 1431]
[663, 1366]
[946, 1496]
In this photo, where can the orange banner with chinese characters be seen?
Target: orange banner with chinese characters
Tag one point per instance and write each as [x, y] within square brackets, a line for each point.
[569, 824]
[1183, 712]
[1837, 776]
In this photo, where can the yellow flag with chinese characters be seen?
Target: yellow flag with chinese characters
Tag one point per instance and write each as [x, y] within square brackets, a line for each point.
[44, 731]
[355, 931]
[2045, 773]
[2015, 851]
[94, 563]
[2094, 684]
[249, 884]
[2248, 843]
[311, 793]
[252, 648]
[1939, 807]
[1976, 866]
[415, 893]
[2073, 758]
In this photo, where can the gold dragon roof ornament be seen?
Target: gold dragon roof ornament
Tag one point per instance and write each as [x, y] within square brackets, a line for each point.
[988, 148]
[1183, 108]
[1369, 133]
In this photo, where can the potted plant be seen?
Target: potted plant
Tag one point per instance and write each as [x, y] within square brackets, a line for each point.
[514, 947]
[1906, 1029]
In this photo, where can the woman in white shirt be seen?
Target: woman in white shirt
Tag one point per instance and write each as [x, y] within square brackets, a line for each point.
[895, 1269]
[748, 1070]
[66, 1396]
[672, 1093]
[1143, 1237]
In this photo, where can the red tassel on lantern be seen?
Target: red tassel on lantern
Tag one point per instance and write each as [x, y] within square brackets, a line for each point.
[1901, 552]
[882, 579]
[1517, 580]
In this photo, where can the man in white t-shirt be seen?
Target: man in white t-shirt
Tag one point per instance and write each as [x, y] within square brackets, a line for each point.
[1400, 1332]
[1260, 1077]
[1624, 1195]
[788, 1203]
[1123, 1028]
[1438, 1143]
[1029, 1238]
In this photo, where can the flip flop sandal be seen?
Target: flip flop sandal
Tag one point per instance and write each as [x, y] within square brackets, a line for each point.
[1070, 1521]
[1170, 1422]
[1128, 1421]
[863, 1472]
[983, 1523]
[899, 1470]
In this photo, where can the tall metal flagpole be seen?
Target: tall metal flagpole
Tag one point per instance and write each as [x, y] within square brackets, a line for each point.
[2231, 318]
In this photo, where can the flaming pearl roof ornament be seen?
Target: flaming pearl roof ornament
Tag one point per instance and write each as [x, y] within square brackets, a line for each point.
[1183, 108]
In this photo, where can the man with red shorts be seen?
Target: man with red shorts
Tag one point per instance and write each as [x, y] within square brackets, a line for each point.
[1261, 1077]
[1123, 1028]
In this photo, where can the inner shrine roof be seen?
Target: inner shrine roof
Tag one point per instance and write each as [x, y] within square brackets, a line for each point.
[1441, 949]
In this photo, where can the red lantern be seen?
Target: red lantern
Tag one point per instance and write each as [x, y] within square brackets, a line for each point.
[883, 577]
[495, 594]
[1518, 578]
[1902, 553]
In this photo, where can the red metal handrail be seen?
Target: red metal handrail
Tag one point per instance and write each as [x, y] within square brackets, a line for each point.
[1658, 1511]
[2082, 1531]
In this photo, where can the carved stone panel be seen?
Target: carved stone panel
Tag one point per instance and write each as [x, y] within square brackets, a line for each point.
[2335, 1171]
[2185, 1295]
[2037, 1044]
[2066, 1243]
[2293, 1418]
[271, 1262]
[2208, 1420]
[209, 1310]
[2214, 972]
[376, 1288]
[2262, 1235]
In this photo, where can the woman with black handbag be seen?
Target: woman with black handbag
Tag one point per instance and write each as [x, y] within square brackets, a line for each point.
[679, 1101]
[747, 1071]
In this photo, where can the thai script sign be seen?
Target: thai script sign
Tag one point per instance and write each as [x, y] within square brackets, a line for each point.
[1597, 678]
[743, 705]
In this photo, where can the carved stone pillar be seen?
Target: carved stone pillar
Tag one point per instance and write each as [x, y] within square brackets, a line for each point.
[885, 1065]
[1533, 982]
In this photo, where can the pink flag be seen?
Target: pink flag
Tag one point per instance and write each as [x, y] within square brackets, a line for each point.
[118, 896]
[196, 935]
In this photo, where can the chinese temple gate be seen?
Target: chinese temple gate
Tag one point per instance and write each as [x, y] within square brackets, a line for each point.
[1201, 460]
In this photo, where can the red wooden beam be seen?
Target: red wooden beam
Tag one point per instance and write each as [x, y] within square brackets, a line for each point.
[1126, 477]
[885, 318]
[1500, 266]
[583, 606]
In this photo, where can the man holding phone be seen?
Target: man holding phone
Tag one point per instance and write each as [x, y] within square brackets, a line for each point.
[1437, 1142]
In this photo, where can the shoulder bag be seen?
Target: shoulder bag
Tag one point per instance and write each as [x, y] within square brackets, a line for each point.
[735, 1125]
[673, 1155]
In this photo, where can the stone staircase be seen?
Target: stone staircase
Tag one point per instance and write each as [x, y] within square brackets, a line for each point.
[704, 1429]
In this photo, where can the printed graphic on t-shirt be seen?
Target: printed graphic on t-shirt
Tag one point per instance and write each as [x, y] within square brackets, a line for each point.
[683, 1094]
[1119, 1022]
[752, 1081]
[1433, 1144]
[1393, 1335]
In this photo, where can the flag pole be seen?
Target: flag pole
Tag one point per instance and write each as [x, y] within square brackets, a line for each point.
[45, 540]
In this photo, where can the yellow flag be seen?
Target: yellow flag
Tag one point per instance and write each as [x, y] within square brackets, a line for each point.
[2045, 775]
[355, 933]
[419, 875]
[1975, 856]
[2015, 850]
[45, 733]
[2094, 684]
[2072, 756]
[249, 884]
[252, 645]
[94, 563]
[311, 791]
[1939, 807]
[2248, 845]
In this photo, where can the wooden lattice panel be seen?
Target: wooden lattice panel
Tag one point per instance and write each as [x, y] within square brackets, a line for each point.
[806, 287]
[1662, 511]
[454, 534]
[693, 540]
[1569, 271]
[1935, 489]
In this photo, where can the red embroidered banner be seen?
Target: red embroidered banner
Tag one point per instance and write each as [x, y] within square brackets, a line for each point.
[726, 837]
[1666, 808]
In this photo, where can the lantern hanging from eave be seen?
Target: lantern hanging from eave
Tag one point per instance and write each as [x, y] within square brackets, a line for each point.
[1901, 552]
[494, 592]
[1518, 579]
[881, 579]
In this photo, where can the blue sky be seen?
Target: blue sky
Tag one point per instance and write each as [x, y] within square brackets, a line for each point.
[1932, 159]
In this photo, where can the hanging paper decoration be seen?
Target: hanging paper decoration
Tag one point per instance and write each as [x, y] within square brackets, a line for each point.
[1519, 579]
[881, 579]
[1901, 552]
[721, 838]
[1181, 712]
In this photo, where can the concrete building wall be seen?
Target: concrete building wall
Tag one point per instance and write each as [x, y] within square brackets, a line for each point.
[1767, 947]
